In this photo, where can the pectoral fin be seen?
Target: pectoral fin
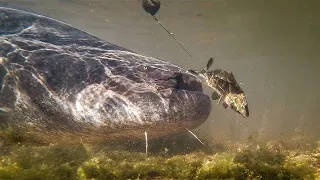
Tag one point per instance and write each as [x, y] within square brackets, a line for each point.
[225, 105]
[220, 99]
[215, 96]
[209, 64]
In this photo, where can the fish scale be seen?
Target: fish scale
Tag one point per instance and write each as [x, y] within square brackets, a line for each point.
[225, 88]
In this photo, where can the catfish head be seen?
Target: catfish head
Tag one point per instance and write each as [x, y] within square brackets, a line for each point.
[226, 89]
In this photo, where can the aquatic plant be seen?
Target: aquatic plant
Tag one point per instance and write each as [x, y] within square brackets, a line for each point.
[20, 159]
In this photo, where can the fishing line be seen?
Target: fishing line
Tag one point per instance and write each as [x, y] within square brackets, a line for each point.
[152, 7]
[171, 34]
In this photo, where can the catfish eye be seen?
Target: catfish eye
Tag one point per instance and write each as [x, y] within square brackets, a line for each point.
[145, 67]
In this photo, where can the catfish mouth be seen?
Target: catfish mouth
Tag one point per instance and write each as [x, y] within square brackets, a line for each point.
[168, 98]
[179, 81]
[170, 104]
[187, 103]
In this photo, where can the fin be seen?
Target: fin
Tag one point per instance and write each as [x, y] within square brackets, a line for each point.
[235, 88]
[209, 64]
[215, 96]
[231, 78]
[225, 105]
[220, 99]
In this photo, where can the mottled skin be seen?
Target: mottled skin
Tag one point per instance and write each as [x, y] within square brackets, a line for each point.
[55, 78]
[225, 88]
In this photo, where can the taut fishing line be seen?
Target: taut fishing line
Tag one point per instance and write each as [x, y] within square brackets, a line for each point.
[152, 7]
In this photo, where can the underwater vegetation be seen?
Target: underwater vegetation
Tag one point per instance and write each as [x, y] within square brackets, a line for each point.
[22, 157]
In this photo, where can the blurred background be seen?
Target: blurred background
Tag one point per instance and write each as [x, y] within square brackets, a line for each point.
[272, 47]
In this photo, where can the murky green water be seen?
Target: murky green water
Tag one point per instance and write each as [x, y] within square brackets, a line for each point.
[272, 47]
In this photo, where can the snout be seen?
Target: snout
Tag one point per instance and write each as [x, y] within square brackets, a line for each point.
[245, 112]
[186, 99]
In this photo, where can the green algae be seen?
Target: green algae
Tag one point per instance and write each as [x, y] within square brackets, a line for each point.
[21, 159]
